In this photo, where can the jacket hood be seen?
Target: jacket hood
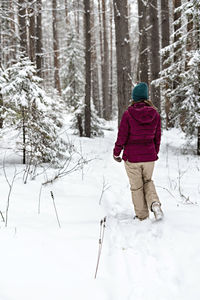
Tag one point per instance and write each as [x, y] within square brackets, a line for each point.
[142, 113]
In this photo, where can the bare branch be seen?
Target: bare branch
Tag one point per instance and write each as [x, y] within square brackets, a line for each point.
[105, 187]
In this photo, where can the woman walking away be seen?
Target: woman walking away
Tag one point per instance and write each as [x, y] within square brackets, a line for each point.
[139, 136]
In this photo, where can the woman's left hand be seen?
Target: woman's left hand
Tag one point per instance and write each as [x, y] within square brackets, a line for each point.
[117, 158]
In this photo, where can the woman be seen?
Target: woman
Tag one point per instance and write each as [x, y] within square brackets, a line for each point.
[139, 137]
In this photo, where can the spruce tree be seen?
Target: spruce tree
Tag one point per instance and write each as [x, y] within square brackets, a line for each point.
[184, 69]
[29, 111]
[73, 86]
[72, 73]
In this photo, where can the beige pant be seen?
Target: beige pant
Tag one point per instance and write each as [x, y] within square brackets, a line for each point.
[142, 187]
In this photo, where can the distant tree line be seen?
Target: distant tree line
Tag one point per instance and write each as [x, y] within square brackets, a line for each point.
[90, 53]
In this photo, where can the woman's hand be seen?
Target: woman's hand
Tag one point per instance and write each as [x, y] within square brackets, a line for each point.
[117, 158]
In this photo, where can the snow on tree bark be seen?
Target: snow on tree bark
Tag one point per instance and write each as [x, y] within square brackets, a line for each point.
[143, 45]
[184, 68]
[123, 55]
[94, 62]
[154, 52]
[105, 69]
[165, 40]
[55, 48]
[110, 108]
[101, 54]
[39, 38]
[66, 13]
[22, 26]
[31, 31]
[87, 69]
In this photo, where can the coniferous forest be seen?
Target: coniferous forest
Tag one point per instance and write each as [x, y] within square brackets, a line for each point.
[70, 228]
[87, 55]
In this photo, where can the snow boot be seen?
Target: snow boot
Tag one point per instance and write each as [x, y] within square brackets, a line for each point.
[156, 209]
[141, 219]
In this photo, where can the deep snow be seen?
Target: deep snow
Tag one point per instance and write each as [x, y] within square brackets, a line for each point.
[140, 260]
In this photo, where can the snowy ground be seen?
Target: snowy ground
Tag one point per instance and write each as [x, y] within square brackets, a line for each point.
[140, 260]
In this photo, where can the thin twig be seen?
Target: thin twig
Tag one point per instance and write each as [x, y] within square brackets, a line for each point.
[10, 184]
[180, 175]
[39, 201]
[167, 155]
[3, 219]
[101, 238]
[54, 204]
[82, 162]
[166, 190]
[63, 171]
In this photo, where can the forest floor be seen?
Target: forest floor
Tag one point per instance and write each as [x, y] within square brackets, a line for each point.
[139, 261]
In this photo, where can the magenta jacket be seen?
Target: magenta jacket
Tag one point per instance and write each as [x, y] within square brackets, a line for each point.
[139, 134]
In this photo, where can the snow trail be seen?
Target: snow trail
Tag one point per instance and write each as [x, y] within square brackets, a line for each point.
[151, 260]
[139, 261]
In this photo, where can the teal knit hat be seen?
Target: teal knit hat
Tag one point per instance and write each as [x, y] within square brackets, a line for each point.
[140, 92]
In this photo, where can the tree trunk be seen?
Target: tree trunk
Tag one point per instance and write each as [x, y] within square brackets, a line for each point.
[197, 29]
[123, 55]
[39, 38]
[198, 141]
[105, 69]
[1, 107]
[1, 48]
[154, 52]
[55, 48]
[2, 30]
[197, 42]
[87, 69]
[79, 122]
[5, 33]
[24, 136]
[177, 35]
[190, 36]
[94, 64]
[1, 97]
[13, 42]
[31, 14]
[143, 45]
[78, 17]
[22, 26]
[165, 36]
[111, 61]
[9, 38]
[177, 48]
[189, 48]
[66, 13]
[101, 54]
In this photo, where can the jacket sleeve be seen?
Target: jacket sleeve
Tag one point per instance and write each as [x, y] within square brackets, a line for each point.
[123, 134]
[158, 135]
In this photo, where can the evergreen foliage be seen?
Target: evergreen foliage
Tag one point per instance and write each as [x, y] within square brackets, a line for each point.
[72, 73]
[73, 85]
[77, 122]
[182, 76]
[29, 111]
